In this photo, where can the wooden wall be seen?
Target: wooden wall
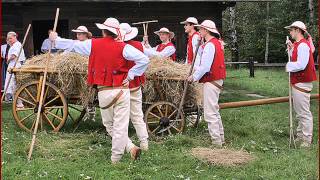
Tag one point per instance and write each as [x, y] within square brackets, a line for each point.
[17, 16]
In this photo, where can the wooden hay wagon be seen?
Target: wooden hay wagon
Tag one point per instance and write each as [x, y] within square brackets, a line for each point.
[57, 106]
[161, 98]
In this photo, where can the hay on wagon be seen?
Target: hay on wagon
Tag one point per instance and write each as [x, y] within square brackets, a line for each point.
[70, 76]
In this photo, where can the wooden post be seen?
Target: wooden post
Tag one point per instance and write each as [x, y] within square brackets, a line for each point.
[251, 67]
[41, 101]
[266, 54]
[233, 35]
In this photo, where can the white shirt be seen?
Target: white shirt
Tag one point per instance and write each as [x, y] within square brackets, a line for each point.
[166, 52]
[3, 50]
[46, 44]
[14, 50]
[204, 61]
[302, 59]
[129, 53]
[67, 45]
[195, 42]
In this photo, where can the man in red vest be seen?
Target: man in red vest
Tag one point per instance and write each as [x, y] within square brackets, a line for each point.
[211, 71]
[108, 70]
[136, 113]
[166, 49]
[303, 72]
[193, 38]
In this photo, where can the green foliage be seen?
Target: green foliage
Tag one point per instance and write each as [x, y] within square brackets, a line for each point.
[251, 24]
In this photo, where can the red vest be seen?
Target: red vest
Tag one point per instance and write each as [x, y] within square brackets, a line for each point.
[309, 73]
[218, 68]
[190, 48]
[107, 67]
[162, 46]
[140, 80]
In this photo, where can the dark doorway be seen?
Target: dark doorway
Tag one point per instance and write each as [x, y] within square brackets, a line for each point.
[40, 32]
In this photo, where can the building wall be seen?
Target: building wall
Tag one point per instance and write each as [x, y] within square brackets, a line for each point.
[17, 16]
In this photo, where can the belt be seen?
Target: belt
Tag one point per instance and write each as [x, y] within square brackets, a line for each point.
[217, 85]
[102, 88]
[113, 101]
[300, 89]
[135, 89]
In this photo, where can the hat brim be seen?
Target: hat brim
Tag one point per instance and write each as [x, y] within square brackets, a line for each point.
[171, 34]
[186, 22]
[290, 27]
[79, 31]
[132, 34]
[104, 27]
[211, 30]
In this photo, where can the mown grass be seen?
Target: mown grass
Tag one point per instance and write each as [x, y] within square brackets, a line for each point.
[85, 154]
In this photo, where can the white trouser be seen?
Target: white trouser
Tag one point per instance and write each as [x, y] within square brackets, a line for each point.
[12, 85]
[136, 117]
[116, 119]
[211, 111]
[301, 105]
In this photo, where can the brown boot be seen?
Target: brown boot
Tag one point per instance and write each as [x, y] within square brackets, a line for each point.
[135, 153]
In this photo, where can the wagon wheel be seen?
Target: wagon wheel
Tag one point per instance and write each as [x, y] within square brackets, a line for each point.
[76, 113]
[161, 119]
[54, 111]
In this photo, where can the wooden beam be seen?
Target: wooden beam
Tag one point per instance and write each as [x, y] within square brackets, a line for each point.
[259, 102]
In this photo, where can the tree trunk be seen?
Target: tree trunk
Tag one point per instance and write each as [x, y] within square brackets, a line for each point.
[311, 13]
[267, 36]
[233, 35]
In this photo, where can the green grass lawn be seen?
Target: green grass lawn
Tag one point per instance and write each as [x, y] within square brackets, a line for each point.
[85, 154]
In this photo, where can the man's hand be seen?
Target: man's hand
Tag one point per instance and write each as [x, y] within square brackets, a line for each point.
[125, 82]
[53, 36]
[190, 78]
[289, 44]
[9, 70]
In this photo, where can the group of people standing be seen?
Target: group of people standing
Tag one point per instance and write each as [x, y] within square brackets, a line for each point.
[116, 68]
[117, 63]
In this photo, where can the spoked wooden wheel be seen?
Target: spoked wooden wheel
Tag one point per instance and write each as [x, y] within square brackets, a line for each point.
[54, 111]
[161, 119]
[76, 113]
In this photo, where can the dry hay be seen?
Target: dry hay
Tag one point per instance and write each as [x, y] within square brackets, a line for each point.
[222, 157]
[170, 89]
[71, 76]
[70, 73]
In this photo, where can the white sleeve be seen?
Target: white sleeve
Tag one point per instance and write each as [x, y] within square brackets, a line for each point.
[3, 50]
[82, 47]
[64, 44]
[206, 62]
[195, 42]
[302, 59]
[166, 52]
[141, 61]
[45, 45]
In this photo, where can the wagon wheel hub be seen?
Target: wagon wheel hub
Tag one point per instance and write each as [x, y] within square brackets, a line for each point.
[164, 122]
[37, 107]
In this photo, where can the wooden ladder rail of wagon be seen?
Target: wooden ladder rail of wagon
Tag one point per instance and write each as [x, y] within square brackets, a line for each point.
[56, 109]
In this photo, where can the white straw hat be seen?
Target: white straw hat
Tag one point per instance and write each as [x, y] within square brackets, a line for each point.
[192, 20]
[297, 24]
[165, 30]
[112, 25]
[130, 32]
[81, 29]
[209, 25]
